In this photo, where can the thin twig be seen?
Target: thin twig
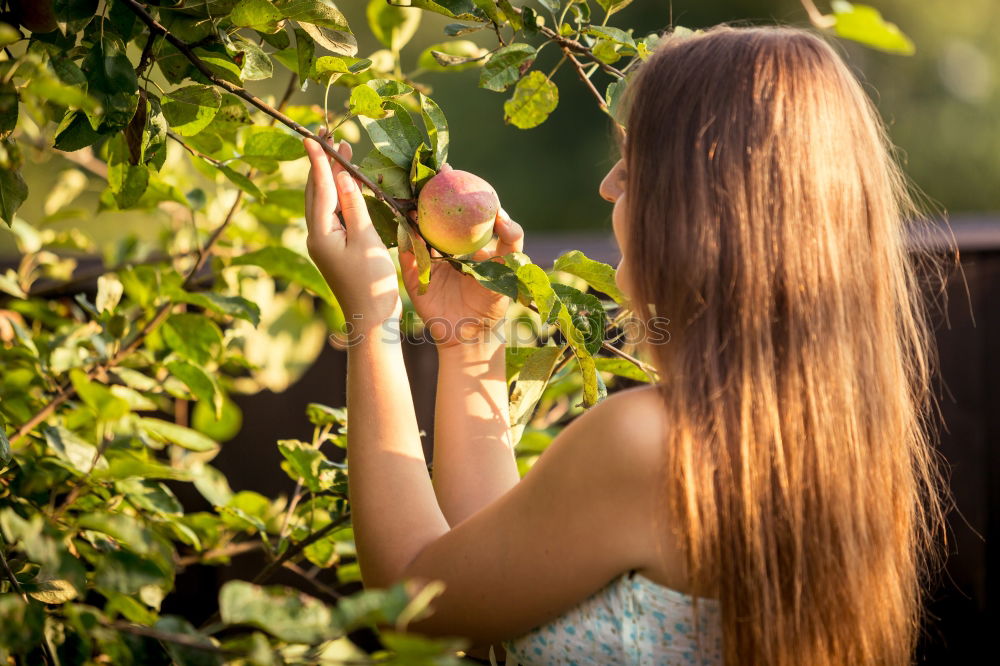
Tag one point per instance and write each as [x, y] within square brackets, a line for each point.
[293, 551]
[816, 17]
[583, 77]
[187, 640]
[197, 153]
[645, 367]
[46, 654]
[401, 207]
[229, 550]
[319, 586]
[74, 492]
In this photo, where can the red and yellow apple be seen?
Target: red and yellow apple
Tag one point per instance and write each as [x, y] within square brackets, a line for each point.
[456, 211]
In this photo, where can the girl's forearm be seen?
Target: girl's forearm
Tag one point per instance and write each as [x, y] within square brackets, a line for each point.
[393, 507]
[474, 460]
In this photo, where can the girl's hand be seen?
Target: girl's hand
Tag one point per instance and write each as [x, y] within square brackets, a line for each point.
[346, 248]
[456, 309]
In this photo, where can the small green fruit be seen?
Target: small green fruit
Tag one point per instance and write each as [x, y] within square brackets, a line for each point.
[456, 211]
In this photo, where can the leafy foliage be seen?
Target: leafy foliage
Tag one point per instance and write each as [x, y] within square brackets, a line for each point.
[148, 100]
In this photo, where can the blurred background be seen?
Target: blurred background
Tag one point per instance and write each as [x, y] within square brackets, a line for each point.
[941, 108]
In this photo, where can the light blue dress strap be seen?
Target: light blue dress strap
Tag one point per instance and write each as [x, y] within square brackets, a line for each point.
[628, 589]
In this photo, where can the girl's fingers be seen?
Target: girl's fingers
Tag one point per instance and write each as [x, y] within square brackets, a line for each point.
[408, 269]
[323, 219]
[509, 232]
[445, 167]
[352, 205]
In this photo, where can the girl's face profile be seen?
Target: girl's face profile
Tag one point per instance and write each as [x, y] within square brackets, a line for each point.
[613, 189]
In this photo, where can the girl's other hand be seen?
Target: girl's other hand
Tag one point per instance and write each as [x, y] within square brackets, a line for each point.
[344, 244]
[455, 308]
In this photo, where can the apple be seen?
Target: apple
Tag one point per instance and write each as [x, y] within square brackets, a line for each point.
[456, 211]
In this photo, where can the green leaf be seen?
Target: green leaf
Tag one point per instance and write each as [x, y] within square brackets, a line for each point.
[220, 427]
[865, 24]
[327, 69]
[193, 336]
[396, 136]
[511, 15]
[598, 275]
[22, 628]
[456, 29]
[622, 368]
[394, 180]
[531, 381]
[126, 573]
[305, 55]
[273, 143]
[254, 63]
[112, 81]
[128, 182]
[585, 313]
[5, 453]
[418, 246]
[233, 306]
[383, 219]
[535, 285]
[212, 484]
[62, 82]
[9, 103]
[280, 262]
[389, 87]
[506, 65]
[283, 613]
[616, 35]
[241, 181]
[190, 109]
[323, 415]
[552, 5]
[535, 97]
[489, 7]
[323, 13]
[612, 6]
[335, 41]
[454, 56]
[257, 14]
[420, 173]
[106, 405]
[9, 34]
[202, 385]
[493, 275]
[51, 590]
[13, 189]
[74, 132]
[366, 102]
[594, 389]
[612, 96]
[186, 438]
[436, 125]
[132, 534]
[73, 449]
[393, 26]
[460, 9]
[308, 464]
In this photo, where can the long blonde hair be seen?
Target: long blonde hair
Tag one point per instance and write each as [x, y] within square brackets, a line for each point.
[766, 220]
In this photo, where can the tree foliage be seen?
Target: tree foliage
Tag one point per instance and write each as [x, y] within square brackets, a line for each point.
[149, 100]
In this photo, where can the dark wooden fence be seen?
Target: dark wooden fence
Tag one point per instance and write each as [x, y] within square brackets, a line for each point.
[965, 605]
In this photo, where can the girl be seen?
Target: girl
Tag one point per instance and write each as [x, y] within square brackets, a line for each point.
[774, 498]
